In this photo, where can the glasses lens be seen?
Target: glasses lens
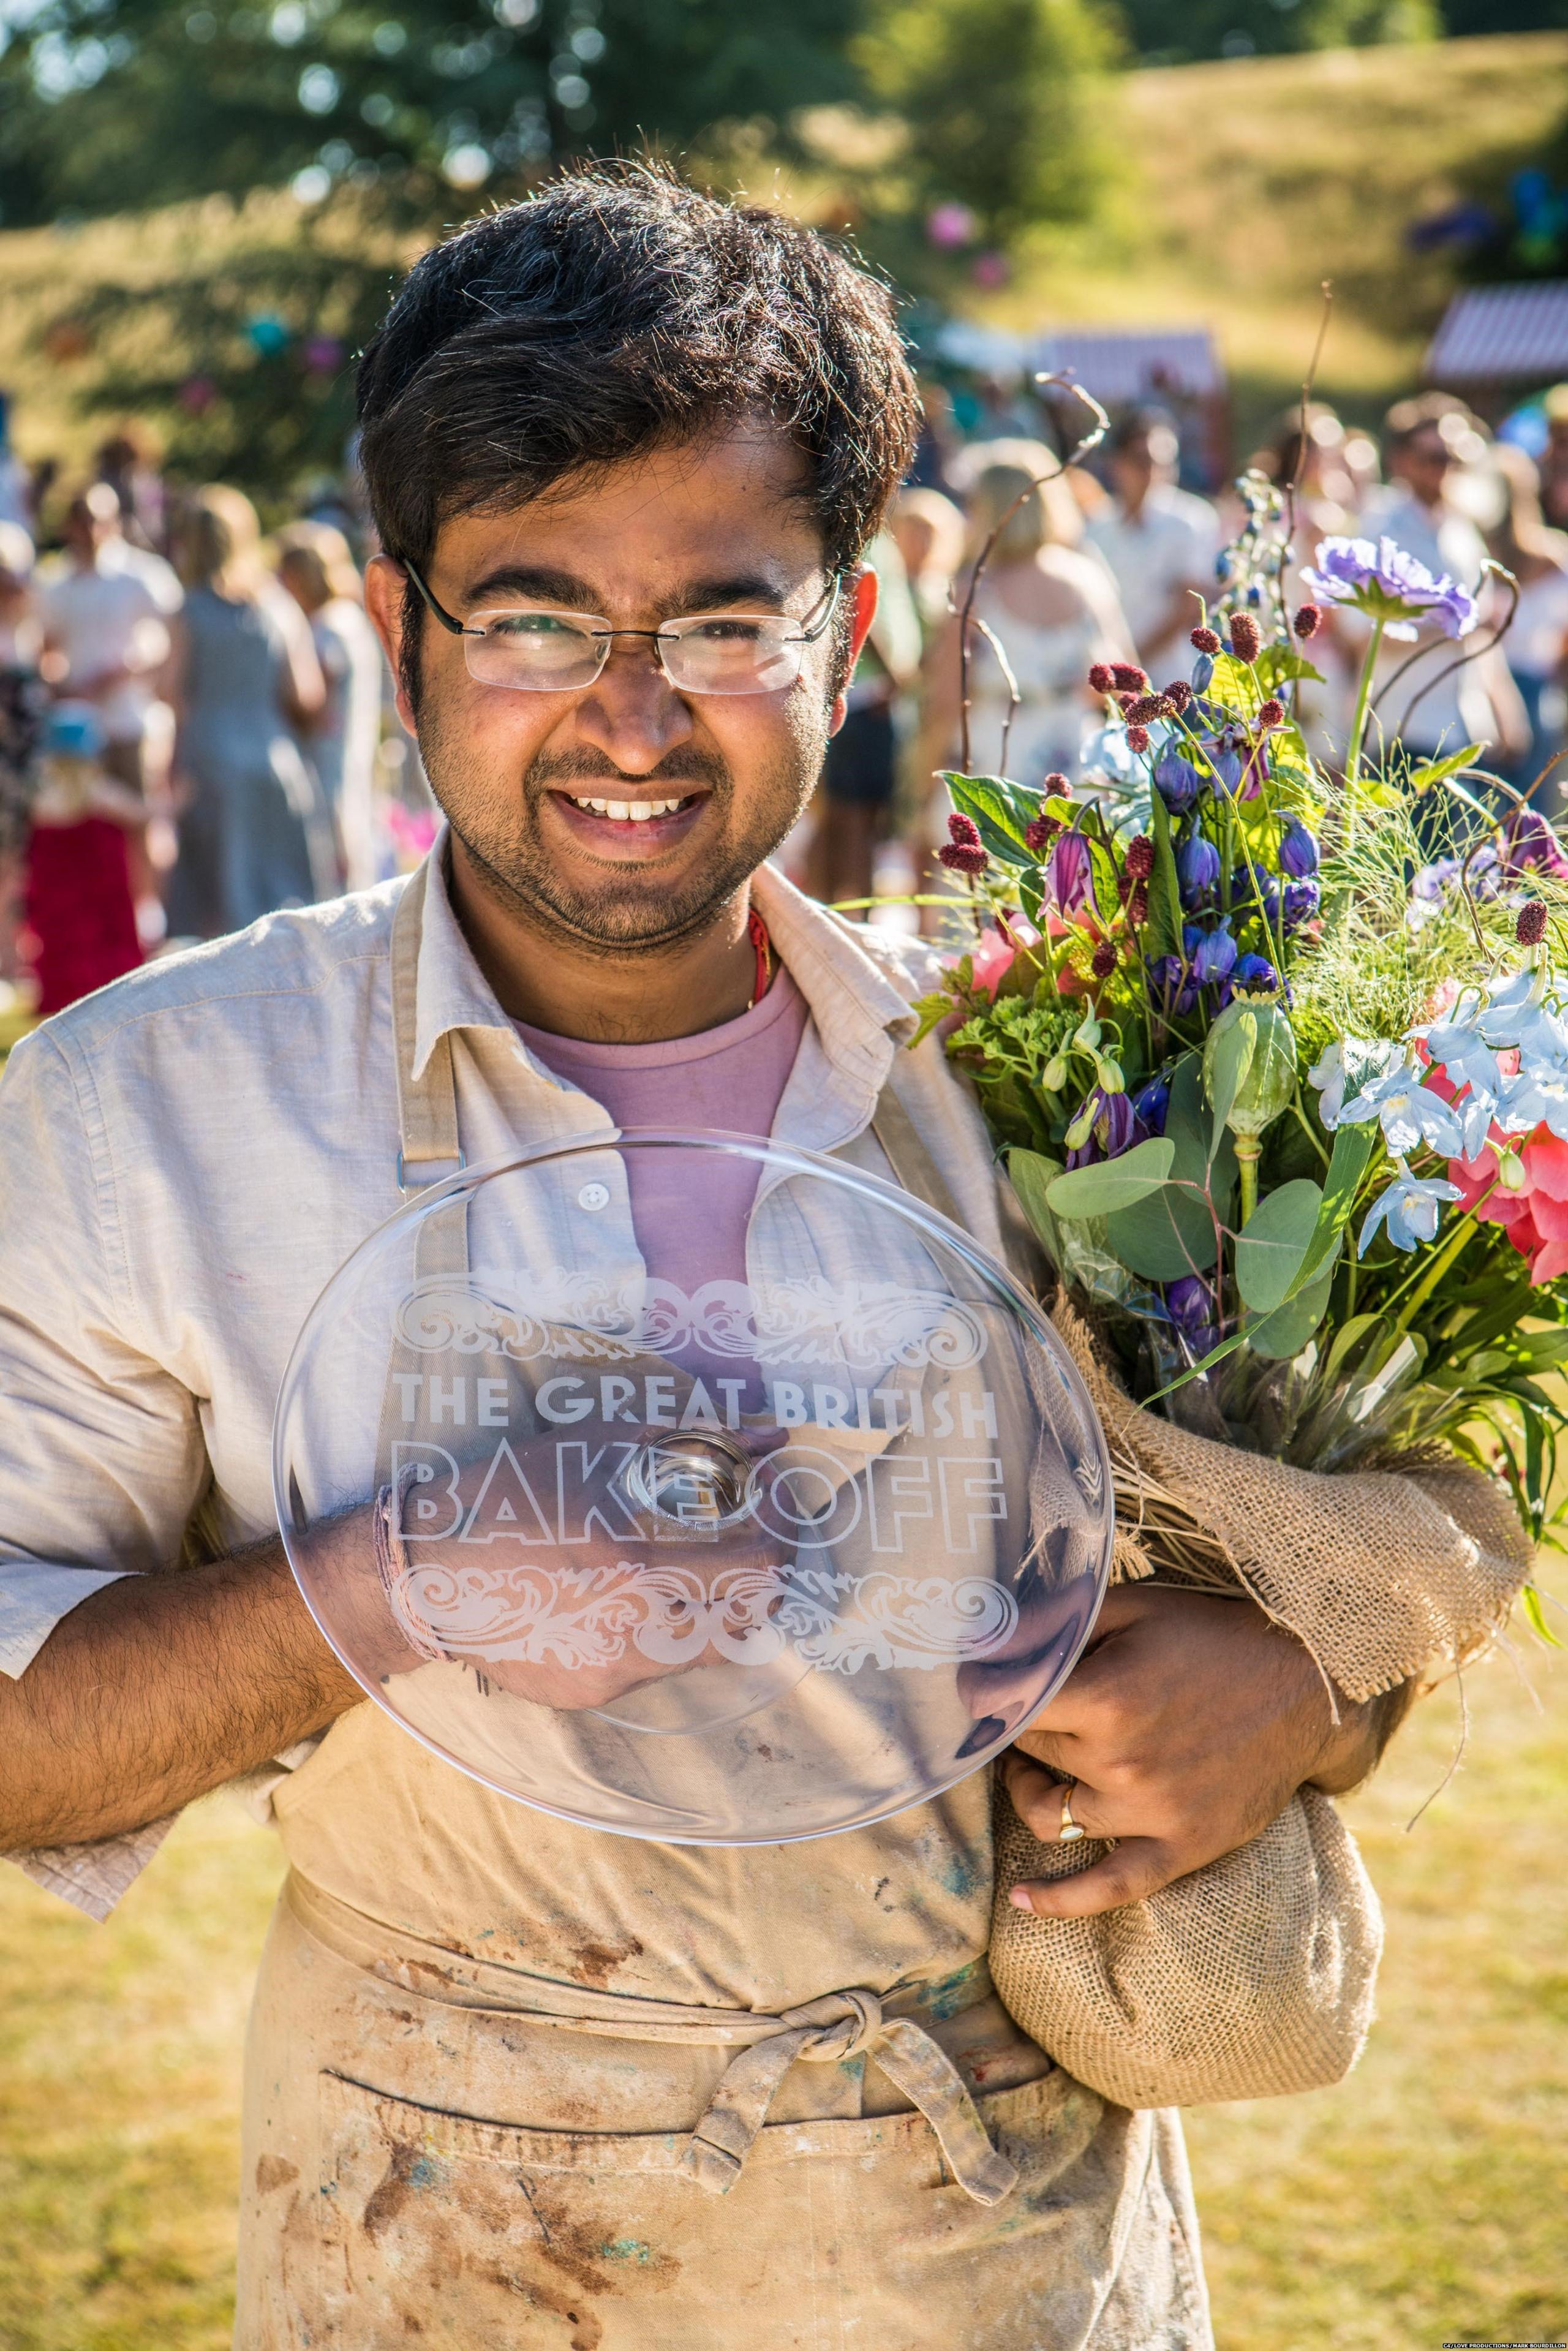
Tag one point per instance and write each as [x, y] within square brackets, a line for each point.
[534, 651]
[732, 654]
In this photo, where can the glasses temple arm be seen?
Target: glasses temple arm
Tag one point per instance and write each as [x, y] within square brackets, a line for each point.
[439, 611]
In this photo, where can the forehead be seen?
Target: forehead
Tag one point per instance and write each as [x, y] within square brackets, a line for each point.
[737, 502]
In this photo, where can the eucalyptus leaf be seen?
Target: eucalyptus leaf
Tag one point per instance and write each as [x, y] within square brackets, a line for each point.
[1353, 1147]
[1285, 1333]
[1112, 1184]
[1031, 1174]
[1271, 1247]
[1166, 1235]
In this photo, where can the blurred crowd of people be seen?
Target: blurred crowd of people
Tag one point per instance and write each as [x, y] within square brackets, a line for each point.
[192, 717]
[1108, 561]
[196, 718]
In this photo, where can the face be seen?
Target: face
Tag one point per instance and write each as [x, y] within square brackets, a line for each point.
[625, 814]
[1425, 461]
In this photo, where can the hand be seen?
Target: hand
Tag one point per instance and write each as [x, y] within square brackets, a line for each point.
[1187, 1728]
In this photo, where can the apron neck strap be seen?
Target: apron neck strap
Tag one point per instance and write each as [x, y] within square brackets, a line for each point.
[426, 1105]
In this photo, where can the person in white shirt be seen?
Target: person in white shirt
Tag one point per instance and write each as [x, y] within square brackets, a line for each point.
[1159, 541]
[106, 606]
[1437, 704]
[315, 566]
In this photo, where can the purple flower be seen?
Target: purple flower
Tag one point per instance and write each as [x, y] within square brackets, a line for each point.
[1202, 672]
[1226, 765]
[1177, 780]
[1114, 1129]
[1212, 954]
[1150, 1102]
[1529, 846]
[1390, 586]
[1257, 975]
[1299, 850]
[1172, 985]
[1301, 900]
[1197, 871]
[1190, 1304]
[1067, 872]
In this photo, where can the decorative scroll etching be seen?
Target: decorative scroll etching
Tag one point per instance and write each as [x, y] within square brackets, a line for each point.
[589, 1617]
[595, 1318]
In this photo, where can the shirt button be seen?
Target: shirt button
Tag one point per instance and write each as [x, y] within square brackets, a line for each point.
[594, 1195]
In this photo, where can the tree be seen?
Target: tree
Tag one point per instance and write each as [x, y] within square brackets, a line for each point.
[108, 105]
[1004, 101]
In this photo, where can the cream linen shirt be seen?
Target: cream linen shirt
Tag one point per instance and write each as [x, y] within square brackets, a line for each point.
[188, 1157]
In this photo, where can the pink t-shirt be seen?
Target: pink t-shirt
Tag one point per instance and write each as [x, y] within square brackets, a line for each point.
[729, 1078]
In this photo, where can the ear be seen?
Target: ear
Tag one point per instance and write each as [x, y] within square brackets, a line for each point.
[863, 613]
[385, 595]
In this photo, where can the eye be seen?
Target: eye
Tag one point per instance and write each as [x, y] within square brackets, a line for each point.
[726, 629]
[532, 628]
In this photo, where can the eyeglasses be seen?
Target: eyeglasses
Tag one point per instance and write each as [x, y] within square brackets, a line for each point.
[536, 652]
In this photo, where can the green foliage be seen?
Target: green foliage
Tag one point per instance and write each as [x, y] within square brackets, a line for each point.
[1005, 101]
[106, 103]
[1180, 30]
[1112, 1184]
[1271, 1249]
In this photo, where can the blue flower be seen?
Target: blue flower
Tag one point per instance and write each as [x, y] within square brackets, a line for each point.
[1408, 1112]
[1177, 780]
[1536, 1098]
[1197, 871]
[1298, 851]
[1226, 765]
[1150, 1102]
[1257, 975]
[1390, 586]
[1172, 985]
[1410, 1205]
[1301, 900]
[1111, 1128]
[1345, 1069]
[1212, 954]
[1202, 672]
[1189, 1301]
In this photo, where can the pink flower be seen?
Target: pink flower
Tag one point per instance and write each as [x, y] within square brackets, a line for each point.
[993, 958]
[1536, 1216]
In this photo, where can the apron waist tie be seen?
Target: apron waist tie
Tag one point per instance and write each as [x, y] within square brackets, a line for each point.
[822, 2032]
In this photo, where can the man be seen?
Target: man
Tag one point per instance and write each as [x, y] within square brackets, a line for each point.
[1437, 704]
[1160, 541]
[105, 608]
[483, 2038]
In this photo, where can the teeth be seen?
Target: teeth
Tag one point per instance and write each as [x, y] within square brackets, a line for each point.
[626, 811]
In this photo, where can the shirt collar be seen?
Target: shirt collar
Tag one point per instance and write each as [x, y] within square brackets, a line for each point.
[860, 1014]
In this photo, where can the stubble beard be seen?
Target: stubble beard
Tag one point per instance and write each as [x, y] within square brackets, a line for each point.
[632, 911]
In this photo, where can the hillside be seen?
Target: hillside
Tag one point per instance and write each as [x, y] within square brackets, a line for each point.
[1246, 183]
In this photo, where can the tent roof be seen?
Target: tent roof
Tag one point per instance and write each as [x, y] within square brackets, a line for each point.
[1499, 334]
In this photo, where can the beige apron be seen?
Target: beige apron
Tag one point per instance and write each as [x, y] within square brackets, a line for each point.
[478, 2115]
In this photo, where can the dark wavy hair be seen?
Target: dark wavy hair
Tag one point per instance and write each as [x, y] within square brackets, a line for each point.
[615, 311]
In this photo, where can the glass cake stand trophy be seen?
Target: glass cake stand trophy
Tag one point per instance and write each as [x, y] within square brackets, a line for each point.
[768, 1555]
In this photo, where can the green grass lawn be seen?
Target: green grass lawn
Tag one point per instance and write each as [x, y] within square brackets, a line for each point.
[1424, 2199]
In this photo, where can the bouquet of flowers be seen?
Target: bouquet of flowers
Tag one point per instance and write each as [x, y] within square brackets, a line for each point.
[1275, 1047]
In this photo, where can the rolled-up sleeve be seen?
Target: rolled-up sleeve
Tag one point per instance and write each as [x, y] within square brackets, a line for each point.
[101, 1453]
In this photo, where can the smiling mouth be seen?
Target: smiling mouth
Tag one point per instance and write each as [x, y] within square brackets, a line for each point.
[629, 812]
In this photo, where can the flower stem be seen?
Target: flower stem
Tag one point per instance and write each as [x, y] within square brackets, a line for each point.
[1248, 1151]
[1358, 724]
[1457, 1241]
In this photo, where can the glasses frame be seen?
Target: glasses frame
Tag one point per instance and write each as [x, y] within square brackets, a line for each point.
[812, 632]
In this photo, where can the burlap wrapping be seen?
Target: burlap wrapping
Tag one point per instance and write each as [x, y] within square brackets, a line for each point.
[1381, 1573]
[1254, 1977]
[1248, 1980]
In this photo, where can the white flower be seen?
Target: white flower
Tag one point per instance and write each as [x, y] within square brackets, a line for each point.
[1516, 1013]
[1410, 1205]
[1409, 1113]
[1346, 1066]
[1459, 1048]
[1537, 1097]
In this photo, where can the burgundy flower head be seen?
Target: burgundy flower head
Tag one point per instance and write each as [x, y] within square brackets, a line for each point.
[1137, 738]
[1040, 831]
[1140, 857]
[1308, 622]
[1102, 963]
[1138, 905]
[1145, 708]
[1272, 714]
[1179, 694]
[1056, 786]
[1531, 927]
[1100, 678]
[1129, 678]
[963, 857]
[963, 831]
[1246, 643]
[1207, 640]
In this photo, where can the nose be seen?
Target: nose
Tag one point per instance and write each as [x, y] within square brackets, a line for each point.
[632, 713]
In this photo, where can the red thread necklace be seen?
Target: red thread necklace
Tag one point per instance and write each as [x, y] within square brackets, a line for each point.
[762, 947]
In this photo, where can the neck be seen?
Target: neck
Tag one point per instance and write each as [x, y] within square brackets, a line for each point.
[542, 976]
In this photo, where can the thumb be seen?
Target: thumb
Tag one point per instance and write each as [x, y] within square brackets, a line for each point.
[1130, 1870]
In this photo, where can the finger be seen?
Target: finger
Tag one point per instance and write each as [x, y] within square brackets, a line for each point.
[1138, 1867]
[1040, 1802]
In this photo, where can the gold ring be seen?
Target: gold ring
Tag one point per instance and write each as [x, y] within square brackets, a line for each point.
[1070, 1830]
